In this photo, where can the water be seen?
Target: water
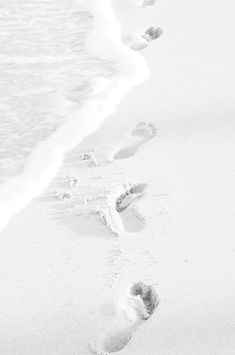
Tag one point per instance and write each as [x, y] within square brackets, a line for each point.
[63, 70]
[42, 62]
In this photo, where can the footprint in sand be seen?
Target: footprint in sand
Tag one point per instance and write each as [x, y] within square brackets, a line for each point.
[121, 320]
[132, 220]
[141, 134]
[119, 211]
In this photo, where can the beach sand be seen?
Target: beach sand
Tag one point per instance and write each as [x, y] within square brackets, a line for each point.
[67, 259]
[60, 263]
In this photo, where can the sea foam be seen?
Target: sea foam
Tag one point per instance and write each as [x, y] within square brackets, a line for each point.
[104, 42]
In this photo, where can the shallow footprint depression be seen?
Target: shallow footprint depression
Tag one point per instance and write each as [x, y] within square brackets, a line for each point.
[141, 134]
[131, 311]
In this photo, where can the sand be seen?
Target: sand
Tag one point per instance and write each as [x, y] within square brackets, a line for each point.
[69, 257]
[59, 264]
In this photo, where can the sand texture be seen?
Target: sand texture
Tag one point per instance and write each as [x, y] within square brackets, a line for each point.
[130, 249]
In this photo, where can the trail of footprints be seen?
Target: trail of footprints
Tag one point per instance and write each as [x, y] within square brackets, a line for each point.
[117, 210]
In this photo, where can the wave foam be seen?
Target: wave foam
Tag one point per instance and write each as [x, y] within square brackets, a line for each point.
[103, 42]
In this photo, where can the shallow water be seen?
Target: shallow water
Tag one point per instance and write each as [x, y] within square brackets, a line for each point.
[64, 70]
[45, 73]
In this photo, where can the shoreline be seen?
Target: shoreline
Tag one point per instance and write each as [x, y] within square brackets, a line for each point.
[41, 167]
[66, 277]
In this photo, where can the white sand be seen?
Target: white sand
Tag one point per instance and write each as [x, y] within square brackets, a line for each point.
[58, 268]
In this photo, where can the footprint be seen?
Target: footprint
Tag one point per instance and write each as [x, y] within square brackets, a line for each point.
[132, 219]
[115, 212]
[142, 133]
[121, 320]
[148, 296]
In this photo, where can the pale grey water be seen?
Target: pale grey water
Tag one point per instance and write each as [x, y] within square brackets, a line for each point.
[43, 66]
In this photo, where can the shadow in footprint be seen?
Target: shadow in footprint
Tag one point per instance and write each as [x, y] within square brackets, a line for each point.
[132, 220]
